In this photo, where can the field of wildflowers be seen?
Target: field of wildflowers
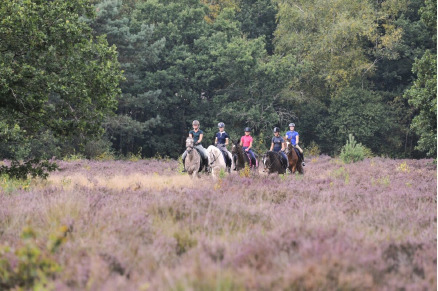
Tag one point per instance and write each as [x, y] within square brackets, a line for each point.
[142, 225]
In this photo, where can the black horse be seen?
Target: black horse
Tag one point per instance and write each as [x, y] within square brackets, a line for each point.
[242, 158]
[273, 162]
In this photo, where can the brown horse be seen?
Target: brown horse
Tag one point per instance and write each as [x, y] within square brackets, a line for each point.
[295, 162]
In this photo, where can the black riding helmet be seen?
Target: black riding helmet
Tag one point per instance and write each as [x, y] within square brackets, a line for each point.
[276, 129]
[247, 129]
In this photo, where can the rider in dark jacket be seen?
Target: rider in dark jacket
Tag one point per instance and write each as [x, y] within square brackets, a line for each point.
[277, 145]
[221, 141]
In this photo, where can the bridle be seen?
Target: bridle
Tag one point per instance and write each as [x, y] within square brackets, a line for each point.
[189, 147]
[289, 147]
[264, 163]
[215, 158]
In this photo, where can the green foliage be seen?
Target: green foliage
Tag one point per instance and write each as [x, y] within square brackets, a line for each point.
[422, 95]
[353, 152]
[29, 265]
[361, 112]
[245, 172]
[55, 75]
[313, 149]
[56, 79]
[34, 167]
[9, 185]
[184, 242]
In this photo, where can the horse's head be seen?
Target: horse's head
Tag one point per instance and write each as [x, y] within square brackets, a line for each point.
[189, 144]
[266, 162]
[235, 147]
[289, 146]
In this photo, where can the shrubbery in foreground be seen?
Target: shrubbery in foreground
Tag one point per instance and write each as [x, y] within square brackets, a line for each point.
[142, 225]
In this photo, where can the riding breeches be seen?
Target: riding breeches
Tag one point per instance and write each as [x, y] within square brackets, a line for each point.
[250, 152]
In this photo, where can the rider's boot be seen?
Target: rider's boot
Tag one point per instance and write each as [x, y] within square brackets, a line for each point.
[206, 166]
[184, 165]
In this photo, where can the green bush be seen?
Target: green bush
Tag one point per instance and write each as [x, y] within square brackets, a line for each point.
[313, 149]
[353, 152]
[30, 266]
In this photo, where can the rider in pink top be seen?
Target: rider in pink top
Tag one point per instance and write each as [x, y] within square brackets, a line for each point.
[246, 143]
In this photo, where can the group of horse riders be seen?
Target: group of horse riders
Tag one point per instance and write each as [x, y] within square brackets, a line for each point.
[278, 143]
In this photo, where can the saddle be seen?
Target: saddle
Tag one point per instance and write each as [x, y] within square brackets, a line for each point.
[204, 161]
[226, 157]
[299, 154]
[283, 161]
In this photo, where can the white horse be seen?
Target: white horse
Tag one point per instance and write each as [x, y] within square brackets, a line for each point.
[217, 161]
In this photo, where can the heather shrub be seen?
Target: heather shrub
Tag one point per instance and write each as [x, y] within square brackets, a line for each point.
[30, 265]
[144, 226]
[353, 152]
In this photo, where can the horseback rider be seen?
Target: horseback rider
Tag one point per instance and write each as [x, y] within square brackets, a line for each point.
[277, 145]
[246, 143]
[197, 134]
[221, 141]
[295, 139]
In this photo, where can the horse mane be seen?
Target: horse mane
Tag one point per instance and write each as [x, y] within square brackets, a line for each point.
[238, 151]
[272, 162]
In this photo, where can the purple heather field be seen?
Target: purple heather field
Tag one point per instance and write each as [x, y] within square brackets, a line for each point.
[142, 225]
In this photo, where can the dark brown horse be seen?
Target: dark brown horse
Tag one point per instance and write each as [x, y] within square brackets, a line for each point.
[295, 162]
[272, 162]
[241, 158]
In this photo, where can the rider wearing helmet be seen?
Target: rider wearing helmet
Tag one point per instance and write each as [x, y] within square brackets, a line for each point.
[277, 145]
[295, 139]
[246, 143]
[221, 141]
[197, 134]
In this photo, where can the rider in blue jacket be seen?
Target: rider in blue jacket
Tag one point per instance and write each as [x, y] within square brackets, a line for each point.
[295, 139]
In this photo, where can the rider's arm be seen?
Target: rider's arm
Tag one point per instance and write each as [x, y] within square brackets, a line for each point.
[200, 138]
[241, 142]
[283, 146]
[250, 146]
[272, 146]
[226, 141]
[215, 140]
[298, 139]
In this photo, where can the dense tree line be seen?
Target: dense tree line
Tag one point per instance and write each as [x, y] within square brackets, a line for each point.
[333, 67]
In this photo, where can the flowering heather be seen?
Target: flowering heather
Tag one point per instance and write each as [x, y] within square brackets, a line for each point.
[142, 225]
